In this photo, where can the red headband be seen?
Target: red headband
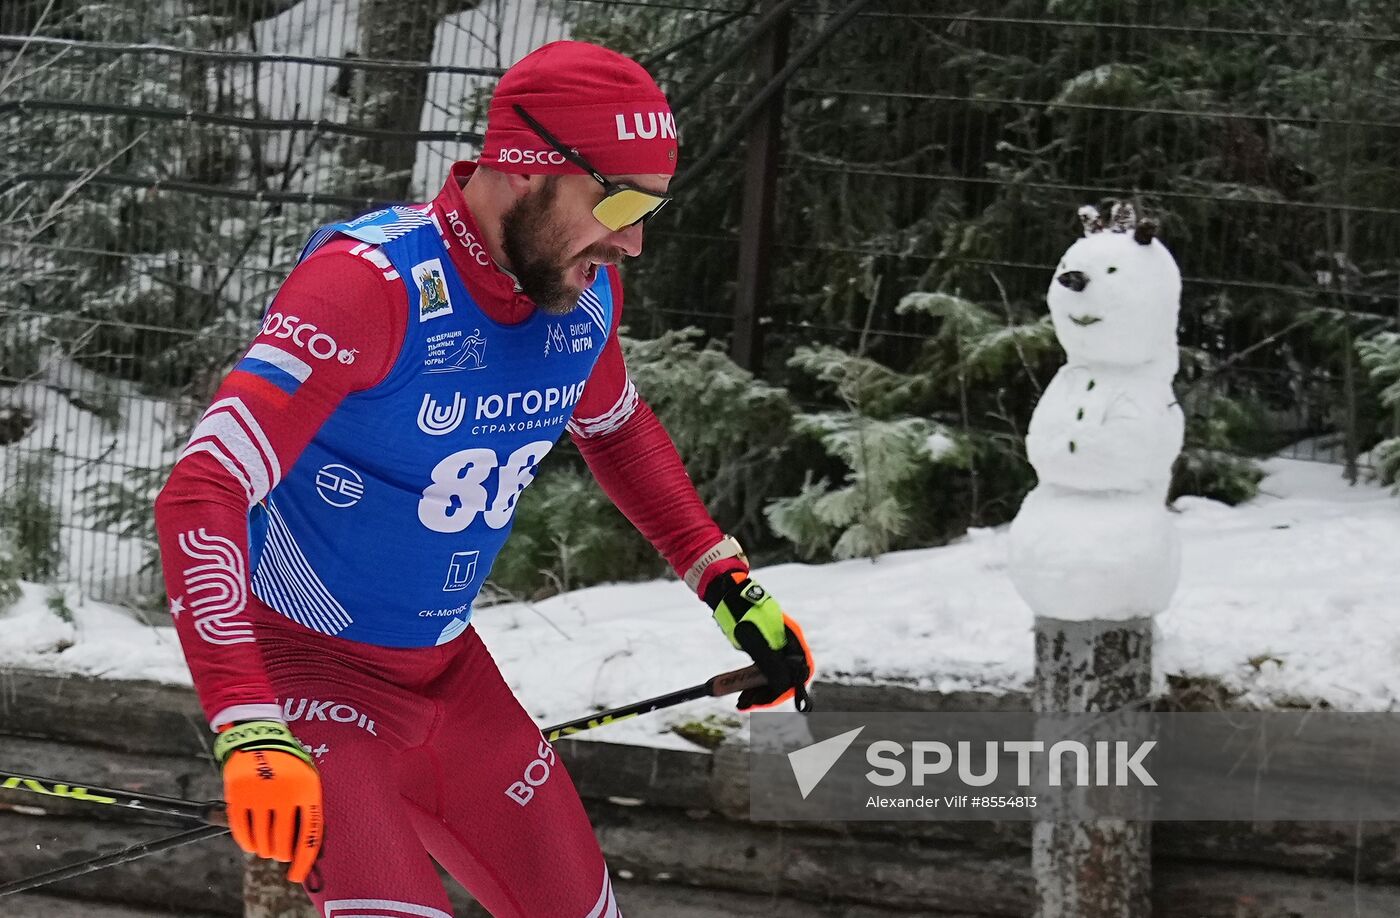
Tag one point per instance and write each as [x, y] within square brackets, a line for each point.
[597, 101]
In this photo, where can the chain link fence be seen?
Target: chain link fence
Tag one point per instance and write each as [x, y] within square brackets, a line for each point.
[162, 164]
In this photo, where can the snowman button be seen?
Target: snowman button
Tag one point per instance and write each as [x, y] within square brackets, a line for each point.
[1079, 416]
[1071, 446]
[1091, 386]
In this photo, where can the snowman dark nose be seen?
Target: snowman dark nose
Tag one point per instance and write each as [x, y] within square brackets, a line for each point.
[1074, 280]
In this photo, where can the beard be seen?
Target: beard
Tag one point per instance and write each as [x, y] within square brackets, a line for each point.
[535, 241]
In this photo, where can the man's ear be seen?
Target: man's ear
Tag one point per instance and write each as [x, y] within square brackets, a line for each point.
[521, 184]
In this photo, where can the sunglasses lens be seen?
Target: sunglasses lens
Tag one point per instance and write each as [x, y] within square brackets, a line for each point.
[626, 206]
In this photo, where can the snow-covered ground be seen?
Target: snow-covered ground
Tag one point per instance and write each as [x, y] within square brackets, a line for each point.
[1289, 598]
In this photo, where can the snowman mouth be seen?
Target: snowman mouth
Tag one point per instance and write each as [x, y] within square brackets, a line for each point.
[1084, 321]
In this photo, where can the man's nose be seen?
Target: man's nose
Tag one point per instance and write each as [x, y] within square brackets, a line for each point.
[1074, 280]
[629, 239]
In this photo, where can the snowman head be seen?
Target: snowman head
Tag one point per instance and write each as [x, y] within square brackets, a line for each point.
[1116, 292]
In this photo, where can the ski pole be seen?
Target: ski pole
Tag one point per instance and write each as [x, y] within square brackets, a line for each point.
[715, 687]
[209, 812]
[212, 812]
[215, 817]
[185, 837]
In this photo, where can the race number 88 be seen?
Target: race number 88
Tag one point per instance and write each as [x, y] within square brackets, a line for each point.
[458, 492]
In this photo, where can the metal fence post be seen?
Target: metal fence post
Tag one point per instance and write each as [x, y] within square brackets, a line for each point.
[754, 285]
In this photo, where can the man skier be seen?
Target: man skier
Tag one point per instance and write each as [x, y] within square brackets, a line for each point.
[339, 504]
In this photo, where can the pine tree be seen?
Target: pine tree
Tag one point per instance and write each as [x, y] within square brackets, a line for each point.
[1380, 356]
[10, 571]
[31, 521]
[733, 431]
[921, 463]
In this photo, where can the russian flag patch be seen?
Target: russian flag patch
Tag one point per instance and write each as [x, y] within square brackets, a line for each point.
[273, 365]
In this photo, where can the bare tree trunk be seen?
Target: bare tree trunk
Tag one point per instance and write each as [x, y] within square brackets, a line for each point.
[1099, 869]
[267, 894]
[393, 100]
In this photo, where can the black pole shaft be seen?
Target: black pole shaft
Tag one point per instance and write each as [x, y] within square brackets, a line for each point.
[186, 837]
[723, 684]
[212, 812]
[603, 718]
[209, 812]
[216, 817]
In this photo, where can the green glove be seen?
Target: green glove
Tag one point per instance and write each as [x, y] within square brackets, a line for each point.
[755, 623]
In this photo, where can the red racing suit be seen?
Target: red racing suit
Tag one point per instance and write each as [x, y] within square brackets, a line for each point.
[422, 750]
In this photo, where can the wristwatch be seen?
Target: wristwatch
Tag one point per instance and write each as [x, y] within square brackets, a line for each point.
[728, 547]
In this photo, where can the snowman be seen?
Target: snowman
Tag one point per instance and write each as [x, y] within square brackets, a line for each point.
[1094, 539]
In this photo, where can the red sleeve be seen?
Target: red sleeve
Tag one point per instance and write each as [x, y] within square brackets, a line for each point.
[335, 327]
[637, 465]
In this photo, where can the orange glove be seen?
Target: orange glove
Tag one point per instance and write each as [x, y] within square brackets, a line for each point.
[273, 794]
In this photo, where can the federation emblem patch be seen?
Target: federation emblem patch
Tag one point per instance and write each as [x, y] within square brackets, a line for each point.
[433, 298]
